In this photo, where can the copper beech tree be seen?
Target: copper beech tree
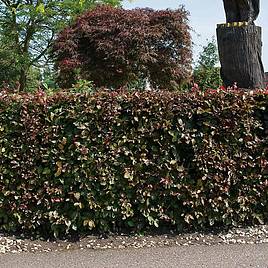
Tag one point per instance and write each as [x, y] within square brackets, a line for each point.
[114, 47]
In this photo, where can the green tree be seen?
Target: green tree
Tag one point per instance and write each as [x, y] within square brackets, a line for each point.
[207, 70]
[27, 29]
[8, 66]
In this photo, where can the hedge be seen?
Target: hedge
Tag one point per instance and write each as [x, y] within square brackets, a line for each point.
[118, 160]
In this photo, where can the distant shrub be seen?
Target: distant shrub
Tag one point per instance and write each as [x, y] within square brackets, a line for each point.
[114, 47]
[111, 160]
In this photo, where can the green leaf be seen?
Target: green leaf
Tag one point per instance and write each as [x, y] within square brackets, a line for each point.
[130, 223]
[40, 8]
[46, 171]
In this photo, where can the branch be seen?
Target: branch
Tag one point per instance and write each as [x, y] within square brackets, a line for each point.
[44, 51]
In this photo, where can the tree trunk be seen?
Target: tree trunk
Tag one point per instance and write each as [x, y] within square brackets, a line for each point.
[22, 80]
[240, 50]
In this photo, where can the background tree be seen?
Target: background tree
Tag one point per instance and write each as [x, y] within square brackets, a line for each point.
[114, 47]
[207, 70]
[27, 29]
[8, 64]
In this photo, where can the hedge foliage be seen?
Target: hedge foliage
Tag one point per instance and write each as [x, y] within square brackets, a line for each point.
[114, 47]
[112, 160]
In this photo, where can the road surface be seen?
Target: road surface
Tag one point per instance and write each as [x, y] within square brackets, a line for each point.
[218, 256]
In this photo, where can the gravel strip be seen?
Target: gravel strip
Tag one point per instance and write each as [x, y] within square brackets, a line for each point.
[250, 235]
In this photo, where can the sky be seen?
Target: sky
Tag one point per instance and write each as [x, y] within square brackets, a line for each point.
[204, 16]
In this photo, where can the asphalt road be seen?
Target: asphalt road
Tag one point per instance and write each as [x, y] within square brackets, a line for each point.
[219, 256]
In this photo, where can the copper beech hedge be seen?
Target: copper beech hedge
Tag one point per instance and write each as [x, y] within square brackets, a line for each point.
[127, 161]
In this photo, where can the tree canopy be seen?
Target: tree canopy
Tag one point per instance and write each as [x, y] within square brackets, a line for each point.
[114, 47]
[27, 29]
[207, 70]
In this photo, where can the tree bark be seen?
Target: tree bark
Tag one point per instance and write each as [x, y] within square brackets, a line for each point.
[22, 80]
[240, 50]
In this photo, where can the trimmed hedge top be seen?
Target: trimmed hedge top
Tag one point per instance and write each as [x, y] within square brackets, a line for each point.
[130, 160]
